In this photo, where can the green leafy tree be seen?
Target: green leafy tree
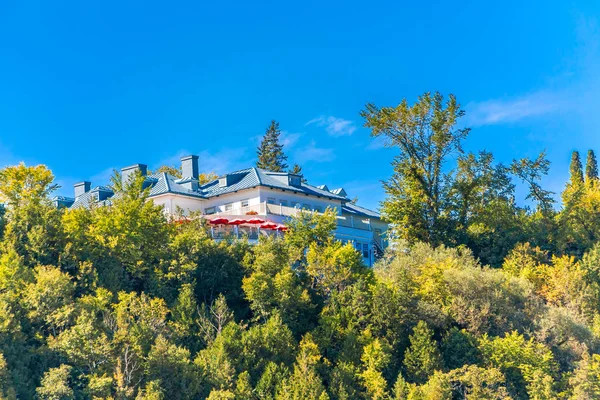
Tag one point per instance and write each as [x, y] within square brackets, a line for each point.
[152, 391]
[472, 382]
[171, 366]
[585, 381]
[49, 298]
[333, 266]
[56, 384]
[531, 172]
[305, 382]
[31, 227]
[422, 358]
[306, 229]
[169, 169]
[459, 348]
[273, 286]
[426, 136]
[523, 362]
[270, 152]
[271, 380]
[375, 359]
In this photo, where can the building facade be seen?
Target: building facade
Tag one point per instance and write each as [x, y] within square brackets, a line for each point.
[248, 194]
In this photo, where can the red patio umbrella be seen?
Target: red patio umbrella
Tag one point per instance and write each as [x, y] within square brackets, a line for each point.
[218, 221]
[237, 221]
[255, 221]
[268, 225]
[282, 228]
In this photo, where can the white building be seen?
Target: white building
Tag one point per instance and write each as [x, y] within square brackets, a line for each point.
[247, 194]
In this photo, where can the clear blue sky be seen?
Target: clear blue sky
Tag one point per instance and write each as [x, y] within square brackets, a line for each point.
[89, 86]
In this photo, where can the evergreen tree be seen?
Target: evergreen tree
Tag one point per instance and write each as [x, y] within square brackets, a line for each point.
[270, 152]
[296, 170]
[591, 167]
[576, 169]
[422, 357]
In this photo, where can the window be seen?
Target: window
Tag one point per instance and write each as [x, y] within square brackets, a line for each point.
[365, 250]
[306, 206]
[245, 203]
[295, 180]
[357, 246]
[271, 200]
[209, 210]
[283, 203]
[318, 209]
[295, 204]
[228, 206]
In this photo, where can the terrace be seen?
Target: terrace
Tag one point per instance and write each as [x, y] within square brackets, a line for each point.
[281, 212]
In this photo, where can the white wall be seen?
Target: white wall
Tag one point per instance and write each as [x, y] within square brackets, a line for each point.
[171, 201]
[252, 195]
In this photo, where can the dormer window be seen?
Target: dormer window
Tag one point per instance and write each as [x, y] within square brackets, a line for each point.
[295, 180]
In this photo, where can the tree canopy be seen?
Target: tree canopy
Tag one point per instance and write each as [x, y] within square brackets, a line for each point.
[475, 298]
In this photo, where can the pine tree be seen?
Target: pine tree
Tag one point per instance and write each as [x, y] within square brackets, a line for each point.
[270, 152]
[576, 169]
[422, 357]
[296, 170]
[591, 167]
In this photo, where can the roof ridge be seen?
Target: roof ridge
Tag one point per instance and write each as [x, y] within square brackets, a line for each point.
[258, 178]
[166, 181]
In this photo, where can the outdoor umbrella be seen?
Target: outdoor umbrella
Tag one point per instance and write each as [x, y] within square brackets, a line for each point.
[237, 221]
[218, 221]
[268, 225]
[255, 221]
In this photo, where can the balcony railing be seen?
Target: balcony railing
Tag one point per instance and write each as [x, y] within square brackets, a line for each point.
[265, 209]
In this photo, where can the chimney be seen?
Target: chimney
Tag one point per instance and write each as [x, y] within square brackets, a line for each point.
[189, 167]
[189, 172]
[82, 188]
[127, 172]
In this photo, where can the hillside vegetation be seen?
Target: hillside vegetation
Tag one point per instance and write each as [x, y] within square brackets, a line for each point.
[476, 297]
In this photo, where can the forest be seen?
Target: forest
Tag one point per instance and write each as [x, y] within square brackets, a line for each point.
[479, 295]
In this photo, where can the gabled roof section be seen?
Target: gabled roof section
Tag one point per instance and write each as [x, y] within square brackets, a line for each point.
[361, 211]
[92, 197]
[239, 180]
[254, 177]
[340, 192]
[167, 183]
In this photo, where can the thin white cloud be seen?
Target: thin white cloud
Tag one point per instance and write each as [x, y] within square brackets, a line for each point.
[500, 111]
[311, 152]
[334, 126]
[288, 140]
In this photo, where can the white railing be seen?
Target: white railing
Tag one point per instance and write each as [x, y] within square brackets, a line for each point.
[348, 221]
[259, 209]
